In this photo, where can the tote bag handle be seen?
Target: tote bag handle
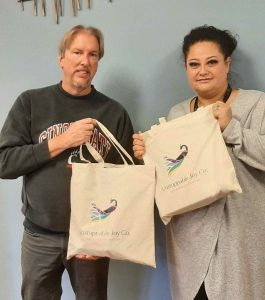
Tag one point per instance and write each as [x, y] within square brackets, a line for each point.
[123, 153]
[98, 158]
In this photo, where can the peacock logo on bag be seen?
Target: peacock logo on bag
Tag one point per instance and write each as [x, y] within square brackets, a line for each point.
[97, 214]
[172, 164]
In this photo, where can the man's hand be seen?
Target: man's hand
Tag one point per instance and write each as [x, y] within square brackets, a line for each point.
[86, 257]
[77, 134]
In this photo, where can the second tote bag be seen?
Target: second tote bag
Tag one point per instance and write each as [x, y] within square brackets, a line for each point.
[193, 166]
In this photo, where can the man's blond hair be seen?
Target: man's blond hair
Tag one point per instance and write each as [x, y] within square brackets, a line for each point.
[68, 37]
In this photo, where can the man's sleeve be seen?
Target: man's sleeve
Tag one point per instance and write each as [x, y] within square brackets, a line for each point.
[18, 154]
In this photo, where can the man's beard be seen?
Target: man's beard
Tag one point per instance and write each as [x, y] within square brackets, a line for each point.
[81, 86]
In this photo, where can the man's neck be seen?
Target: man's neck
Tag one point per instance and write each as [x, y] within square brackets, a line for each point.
[76, 91]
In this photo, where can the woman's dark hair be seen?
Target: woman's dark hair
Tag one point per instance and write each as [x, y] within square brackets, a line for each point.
[223, 38]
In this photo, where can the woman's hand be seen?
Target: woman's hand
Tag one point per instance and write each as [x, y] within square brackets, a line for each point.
[138, 146]
[223, 113]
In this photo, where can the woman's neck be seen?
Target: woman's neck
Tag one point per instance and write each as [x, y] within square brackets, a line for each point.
[204, 101]
[207, 99]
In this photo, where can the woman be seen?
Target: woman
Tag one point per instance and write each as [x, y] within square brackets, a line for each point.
[218, 252]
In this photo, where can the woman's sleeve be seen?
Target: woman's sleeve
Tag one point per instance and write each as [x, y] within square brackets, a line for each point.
[248, 142]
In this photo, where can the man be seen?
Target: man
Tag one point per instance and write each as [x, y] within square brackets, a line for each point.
[39, 141]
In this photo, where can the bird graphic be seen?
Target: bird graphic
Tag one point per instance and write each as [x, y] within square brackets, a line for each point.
[173, 164]
[98, 214]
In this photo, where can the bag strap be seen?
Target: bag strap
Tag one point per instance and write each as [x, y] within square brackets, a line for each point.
[162, 120]
[115, 143]
[92, 151]
[123, 153]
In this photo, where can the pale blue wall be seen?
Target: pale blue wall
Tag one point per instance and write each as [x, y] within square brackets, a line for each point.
[142, 69]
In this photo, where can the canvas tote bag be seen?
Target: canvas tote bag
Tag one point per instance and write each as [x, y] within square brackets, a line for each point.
[193, 167]
[112, 208]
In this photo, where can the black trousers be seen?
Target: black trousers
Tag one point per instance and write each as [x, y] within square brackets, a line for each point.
[201, 295]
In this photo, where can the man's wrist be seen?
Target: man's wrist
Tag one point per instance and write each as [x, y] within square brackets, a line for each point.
[57, 145]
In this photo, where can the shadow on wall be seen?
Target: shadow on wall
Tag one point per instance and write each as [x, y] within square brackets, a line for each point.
[11, 230]
[122, 87]
[170, 83]
[242, 72]
[163, 85]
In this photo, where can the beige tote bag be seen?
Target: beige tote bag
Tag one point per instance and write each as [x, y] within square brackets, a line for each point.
[112, 209]
[193, 167]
